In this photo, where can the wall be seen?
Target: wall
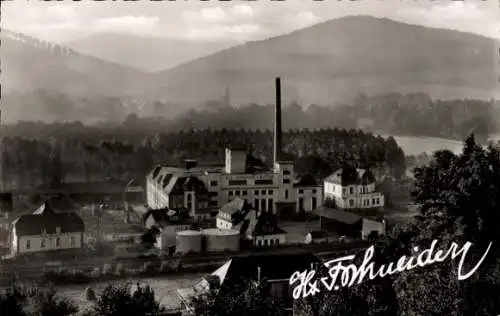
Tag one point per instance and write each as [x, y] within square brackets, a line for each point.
[35, 242]
[362, 196]
[307, 194]
[267, 238]
[370, 225]
[168, 235]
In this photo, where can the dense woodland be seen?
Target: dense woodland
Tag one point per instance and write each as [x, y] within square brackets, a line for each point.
[414, 114]
[74, 152]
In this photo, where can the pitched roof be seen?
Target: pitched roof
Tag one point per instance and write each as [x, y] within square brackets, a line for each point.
[305, 181]
[166, 217]
[46, 220]
[267, 224]
[238, 209]
[338, 215]
[351, 176]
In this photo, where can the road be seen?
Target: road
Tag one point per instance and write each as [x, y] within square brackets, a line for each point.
[322, 250]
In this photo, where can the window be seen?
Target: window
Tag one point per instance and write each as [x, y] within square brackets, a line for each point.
[214, 183]
[263, 182]
[259, 243]
[263, 192]
[72, 241]
[368, 202]
[314, 203]
[256, 192]
[286, 181]
[43, 243]
[301, 204]
[277, 241]
[271, 241]
[373, 201]
[230, 193]
[270, 192]
[301, 191]
[351, 190]
[256, 204]
[351, 202]
[189, 197]
[237, 193]
[265, 242]
[314, 191]
[28, 244]
[58, 242]
[286, 194]
[263, 205]
[244, 192]
[237, 182]
[286, 172]
[270, 205]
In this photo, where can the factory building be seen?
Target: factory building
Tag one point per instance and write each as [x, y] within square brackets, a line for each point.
[275, 190]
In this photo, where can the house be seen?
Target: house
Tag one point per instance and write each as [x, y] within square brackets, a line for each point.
[46, 230]
[235, 215]
[349, 224]
[266, 232]
[267, 188]
[309, 193]
[352, 188]
[273, 269]
[169, 222]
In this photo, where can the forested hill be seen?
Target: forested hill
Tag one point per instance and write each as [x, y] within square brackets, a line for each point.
[89, 154]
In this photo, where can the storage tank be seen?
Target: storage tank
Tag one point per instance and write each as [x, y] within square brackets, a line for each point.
[188, 241]
[218, 240]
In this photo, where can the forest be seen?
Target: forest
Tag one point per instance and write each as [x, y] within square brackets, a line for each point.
[77, 153]
[414, 114]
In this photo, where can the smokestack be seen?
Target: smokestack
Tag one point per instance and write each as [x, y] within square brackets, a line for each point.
[277, 122]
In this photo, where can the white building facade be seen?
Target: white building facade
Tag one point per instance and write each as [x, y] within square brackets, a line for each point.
[353, 189]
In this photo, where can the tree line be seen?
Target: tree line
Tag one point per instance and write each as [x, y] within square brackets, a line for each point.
[74, 151]
[413, 114]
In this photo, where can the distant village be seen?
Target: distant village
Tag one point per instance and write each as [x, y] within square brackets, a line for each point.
[196, 209]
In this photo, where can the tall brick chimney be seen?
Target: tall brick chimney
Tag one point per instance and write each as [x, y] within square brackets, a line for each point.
[277, 122]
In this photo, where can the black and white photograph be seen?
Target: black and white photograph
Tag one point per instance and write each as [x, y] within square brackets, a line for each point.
[250, 158]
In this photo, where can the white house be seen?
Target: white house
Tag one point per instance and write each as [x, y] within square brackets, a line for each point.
[45, 230]
[352, 188]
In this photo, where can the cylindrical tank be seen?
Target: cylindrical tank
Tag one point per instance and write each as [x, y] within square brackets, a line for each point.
[188, 241]
[218, 240]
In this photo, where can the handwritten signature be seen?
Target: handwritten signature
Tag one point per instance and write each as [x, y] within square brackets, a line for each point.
[351, 274]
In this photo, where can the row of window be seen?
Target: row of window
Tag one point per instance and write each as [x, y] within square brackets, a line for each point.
[301, 191]
[244, 182]
[260, 205]
[245, 193]
[43, 242]
[268, 242]
[314, 203]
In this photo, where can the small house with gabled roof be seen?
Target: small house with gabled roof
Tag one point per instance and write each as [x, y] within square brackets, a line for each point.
[46, 229]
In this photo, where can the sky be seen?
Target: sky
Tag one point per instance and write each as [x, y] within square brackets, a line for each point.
[61, 21]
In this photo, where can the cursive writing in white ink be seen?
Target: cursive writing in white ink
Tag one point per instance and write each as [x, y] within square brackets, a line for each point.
[340, 275]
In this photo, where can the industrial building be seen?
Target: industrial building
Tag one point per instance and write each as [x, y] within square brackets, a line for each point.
[169, 223]
[188, 241]
[203, 190]
[344, 223]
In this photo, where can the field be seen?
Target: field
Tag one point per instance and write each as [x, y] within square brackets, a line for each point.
[164, 288]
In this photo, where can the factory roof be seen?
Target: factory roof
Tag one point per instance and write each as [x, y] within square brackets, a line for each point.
[351, 176]
[305, 181]
[267, 224]
[238, 209]
[338, 215]
[46, 220]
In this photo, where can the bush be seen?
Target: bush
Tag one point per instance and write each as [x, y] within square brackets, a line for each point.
[90, 294]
